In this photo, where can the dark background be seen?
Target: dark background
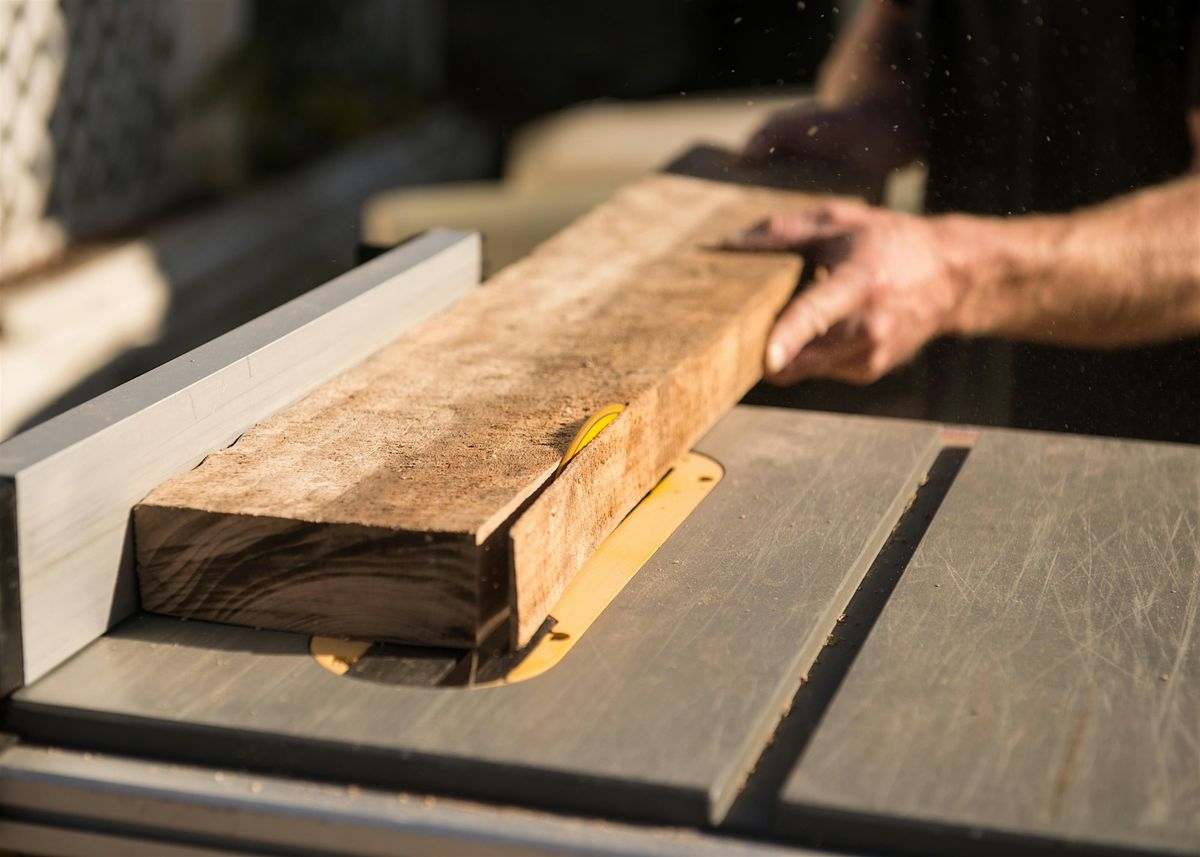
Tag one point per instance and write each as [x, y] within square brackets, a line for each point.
[305, 89]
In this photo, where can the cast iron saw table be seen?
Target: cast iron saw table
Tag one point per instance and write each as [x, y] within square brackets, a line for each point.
[870, 636]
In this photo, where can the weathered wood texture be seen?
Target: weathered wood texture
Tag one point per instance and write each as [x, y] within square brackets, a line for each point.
[379, 506]
[658, 711]
[1035, 678]
[68, 485]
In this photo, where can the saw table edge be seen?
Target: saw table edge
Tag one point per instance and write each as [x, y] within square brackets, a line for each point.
[206, 807]
[67, 486]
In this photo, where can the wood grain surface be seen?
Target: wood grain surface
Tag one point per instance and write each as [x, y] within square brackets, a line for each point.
[379, 506]
[658, 711]
[1034, 681]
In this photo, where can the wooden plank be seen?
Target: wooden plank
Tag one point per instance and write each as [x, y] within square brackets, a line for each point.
[660, 709]
[67, 486]
[1034, 681]
[379, 506]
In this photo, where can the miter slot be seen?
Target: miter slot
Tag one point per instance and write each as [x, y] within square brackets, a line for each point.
[1031, 685]
[754, 809]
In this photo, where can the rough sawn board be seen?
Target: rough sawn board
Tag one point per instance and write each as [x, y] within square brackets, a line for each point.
[379, 506]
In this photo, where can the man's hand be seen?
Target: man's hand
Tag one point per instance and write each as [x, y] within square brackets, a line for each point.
[863, 115]
[1124, 273]
[889, 288]
[861, 137]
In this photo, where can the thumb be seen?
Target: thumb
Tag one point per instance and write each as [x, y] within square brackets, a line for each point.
[811, 314]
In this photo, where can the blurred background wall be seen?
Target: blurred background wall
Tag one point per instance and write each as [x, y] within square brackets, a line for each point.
[96, 127]
[170, 168]
[115, 111]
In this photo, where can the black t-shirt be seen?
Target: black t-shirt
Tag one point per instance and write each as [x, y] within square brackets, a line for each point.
[1045, 106]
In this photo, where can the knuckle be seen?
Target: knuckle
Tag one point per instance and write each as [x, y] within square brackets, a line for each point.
[877, 329]
[814, 319]
[853, 375]
[845, 208]
[876, 366]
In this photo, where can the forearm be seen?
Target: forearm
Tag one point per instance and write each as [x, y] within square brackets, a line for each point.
[872, 61]
[1119, 274]
[864, 113]
[868, 80]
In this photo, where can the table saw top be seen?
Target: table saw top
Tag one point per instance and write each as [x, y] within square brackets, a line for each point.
[871, 634]
[1032, 681]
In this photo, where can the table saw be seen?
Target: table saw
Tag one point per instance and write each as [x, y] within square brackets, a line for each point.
[847, 635]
